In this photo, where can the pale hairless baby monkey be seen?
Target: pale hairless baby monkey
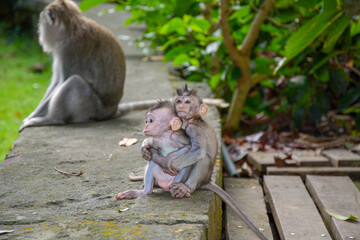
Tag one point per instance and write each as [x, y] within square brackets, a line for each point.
[165, 135]
[201, 156]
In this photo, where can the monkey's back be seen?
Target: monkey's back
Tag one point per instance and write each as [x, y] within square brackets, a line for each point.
[207, 141]
[95, 54]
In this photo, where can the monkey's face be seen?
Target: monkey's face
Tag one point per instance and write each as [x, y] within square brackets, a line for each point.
[51, 23]
[51, 29]
[157, 122]
[186, 106]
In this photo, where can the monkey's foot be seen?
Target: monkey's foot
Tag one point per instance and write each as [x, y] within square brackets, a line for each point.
[129, 194]
[180, 190]
[36, 121]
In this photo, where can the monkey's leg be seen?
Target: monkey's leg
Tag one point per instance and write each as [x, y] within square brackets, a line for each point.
[178, 189]
[149, 181]
[42, 107]
[73, 101]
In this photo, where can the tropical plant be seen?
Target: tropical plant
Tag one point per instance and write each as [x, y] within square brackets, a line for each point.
[297, 58]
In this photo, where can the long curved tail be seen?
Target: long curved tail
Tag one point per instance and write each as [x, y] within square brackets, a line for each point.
[230, 202]
[124, 108]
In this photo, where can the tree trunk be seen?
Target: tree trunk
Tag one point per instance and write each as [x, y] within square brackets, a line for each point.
[241, 59]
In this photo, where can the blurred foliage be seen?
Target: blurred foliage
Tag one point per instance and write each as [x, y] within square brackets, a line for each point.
[22, 84]
[309, 49]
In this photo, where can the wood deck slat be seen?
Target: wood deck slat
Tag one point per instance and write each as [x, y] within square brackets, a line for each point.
[353, 172]
[337, 195]
[295, 213]
[249, 196]
[341, 157]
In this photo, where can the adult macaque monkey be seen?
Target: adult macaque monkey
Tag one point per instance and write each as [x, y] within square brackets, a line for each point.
[165, 135]
[201, 156]
[88, 68]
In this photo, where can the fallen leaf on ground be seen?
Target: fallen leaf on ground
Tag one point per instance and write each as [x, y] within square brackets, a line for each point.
[6, 231]
[281, 162]
[123, 209]
[341, 217]
[128, 142]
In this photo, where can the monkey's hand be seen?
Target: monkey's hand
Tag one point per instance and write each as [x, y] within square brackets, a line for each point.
[129, 194]
[145, 148]
[146, 153]
[180, 190]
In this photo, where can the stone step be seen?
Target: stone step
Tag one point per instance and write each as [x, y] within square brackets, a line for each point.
[294, 212]
[338, 195]
[249, 196]
[342, 157]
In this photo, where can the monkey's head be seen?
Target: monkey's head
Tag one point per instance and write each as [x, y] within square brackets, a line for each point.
[56, 21]
[160, 119]
[188, 105]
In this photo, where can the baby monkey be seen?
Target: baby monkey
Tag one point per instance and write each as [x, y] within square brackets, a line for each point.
[200, 159]
[163, 129]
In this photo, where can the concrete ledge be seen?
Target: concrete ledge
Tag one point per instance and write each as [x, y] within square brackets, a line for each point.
[39, 203]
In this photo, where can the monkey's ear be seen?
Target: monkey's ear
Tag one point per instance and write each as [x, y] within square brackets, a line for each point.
[175, 124]
[51, 17]
[203, 110]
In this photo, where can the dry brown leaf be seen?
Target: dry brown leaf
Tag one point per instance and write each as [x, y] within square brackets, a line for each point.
[128, 142]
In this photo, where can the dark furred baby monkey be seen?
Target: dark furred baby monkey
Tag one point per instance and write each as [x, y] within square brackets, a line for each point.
[165, 135]
[201, 156]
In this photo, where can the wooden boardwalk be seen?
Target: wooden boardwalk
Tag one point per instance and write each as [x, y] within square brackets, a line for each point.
[295, 200]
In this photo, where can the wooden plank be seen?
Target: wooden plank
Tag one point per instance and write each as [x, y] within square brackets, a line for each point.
[338, 195]
[341, 157]
[262, 160]
[309, 158]
[248, 194]
[295, 214]
[353, 172]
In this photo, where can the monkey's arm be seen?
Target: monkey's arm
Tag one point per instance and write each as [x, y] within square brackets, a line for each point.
[163, 163]
[176, 161]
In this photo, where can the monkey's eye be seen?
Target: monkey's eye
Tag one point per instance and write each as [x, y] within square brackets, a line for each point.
[178, 101]
[187, 102]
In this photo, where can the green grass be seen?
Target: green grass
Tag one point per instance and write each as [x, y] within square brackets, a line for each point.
[20, 88]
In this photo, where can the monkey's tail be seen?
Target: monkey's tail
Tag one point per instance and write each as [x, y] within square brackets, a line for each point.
[124, 108]
[230, 202]
[135, 178]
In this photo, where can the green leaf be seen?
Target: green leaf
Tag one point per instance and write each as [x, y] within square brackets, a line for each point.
[355, 28]
[330, 5]
[199, 25]
[171, 42]
[350, 97]
[322, 74]
[240, 13]
[87, 4]
[306, 34]
[174, 25]
[323, 61]
[298, 116]
[306, 3]
[184, 58]
[315, 114]
[178, 50]
[341, 217]
[357, 121]
[262, 65]
[337, 83]
[214, 80]
[335, 31]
